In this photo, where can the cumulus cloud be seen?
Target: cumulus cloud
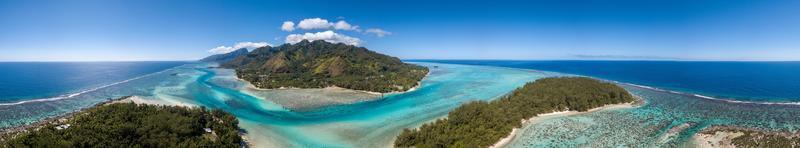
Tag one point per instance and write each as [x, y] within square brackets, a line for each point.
[314, 23]
[342, 25]
[287, 26]
[240, 45]
[378, 32]
[328, 36]
[319, 23]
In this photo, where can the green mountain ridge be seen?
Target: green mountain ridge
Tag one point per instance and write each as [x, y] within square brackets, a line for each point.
[320, 64]
[225, 57]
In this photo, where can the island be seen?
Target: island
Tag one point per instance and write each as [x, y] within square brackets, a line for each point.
[321, 64]
[733, 136]
[483, 124]
[122, 123]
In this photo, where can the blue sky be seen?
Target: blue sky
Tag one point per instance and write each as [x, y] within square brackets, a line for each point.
[112, 30]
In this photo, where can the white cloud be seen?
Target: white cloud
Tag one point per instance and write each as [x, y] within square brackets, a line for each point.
[378, 32]
[314, 23]
[342, 25]
[319, 23]
[328, 36]
[287, 26]
[221, 50]
[250, 45]
[240, 45]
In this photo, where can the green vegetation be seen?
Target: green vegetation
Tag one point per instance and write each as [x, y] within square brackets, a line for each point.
[321, 64]
[757, 138]
[132, 125]
[482, 124]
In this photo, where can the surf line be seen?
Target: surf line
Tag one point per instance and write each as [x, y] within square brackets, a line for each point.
[695, 95]
[61, 97]
[727, 100]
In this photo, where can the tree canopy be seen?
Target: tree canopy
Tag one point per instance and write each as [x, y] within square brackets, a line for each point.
[482, 124]
[132, 125]
[321, 64]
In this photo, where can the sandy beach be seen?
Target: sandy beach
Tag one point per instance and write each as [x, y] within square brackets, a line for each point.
[717, 139]
[299, 99]
[722, 136]
[505, 141]
[253, 87]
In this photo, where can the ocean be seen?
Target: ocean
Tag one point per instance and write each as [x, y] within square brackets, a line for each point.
[741, 81]
[20, 81]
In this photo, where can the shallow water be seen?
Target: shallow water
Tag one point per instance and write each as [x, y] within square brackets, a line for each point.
[363, 124]
[371, 123]
[740, 80]
[666, 119]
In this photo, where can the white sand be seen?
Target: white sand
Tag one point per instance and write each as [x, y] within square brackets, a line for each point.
[310, 98]
[159, 101]
[719, 139]
[505, 141]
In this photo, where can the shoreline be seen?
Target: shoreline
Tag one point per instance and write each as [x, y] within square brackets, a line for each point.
[723, 135]
[11, 132]
[503, 142]
[251, 86]
[731, 99]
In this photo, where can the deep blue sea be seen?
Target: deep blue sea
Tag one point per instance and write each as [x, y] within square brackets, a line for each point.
[21, 81]
[743, 81]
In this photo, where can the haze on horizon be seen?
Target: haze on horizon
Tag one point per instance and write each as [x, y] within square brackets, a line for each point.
[93, 30]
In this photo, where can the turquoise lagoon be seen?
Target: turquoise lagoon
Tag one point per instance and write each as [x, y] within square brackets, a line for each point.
[372, 123]
[665, 119]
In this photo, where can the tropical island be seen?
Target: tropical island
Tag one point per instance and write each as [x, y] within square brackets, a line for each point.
[482, 124]
[122, 123]
[321, 64]
[732, 136]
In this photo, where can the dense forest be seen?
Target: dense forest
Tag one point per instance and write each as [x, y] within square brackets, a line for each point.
[132, 125]
[321, 64]
[482, 124]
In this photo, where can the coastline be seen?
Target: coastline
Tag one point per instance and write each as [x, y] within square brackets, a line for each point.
[298, 99]
[506, 140]
[377, 95]
[723, 136]
[251, 86]
[679, 92]
[11, 132]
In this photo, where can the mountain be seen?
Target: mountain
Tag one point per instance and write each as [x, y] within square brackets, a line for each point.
[321, 64]
[225, 57]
